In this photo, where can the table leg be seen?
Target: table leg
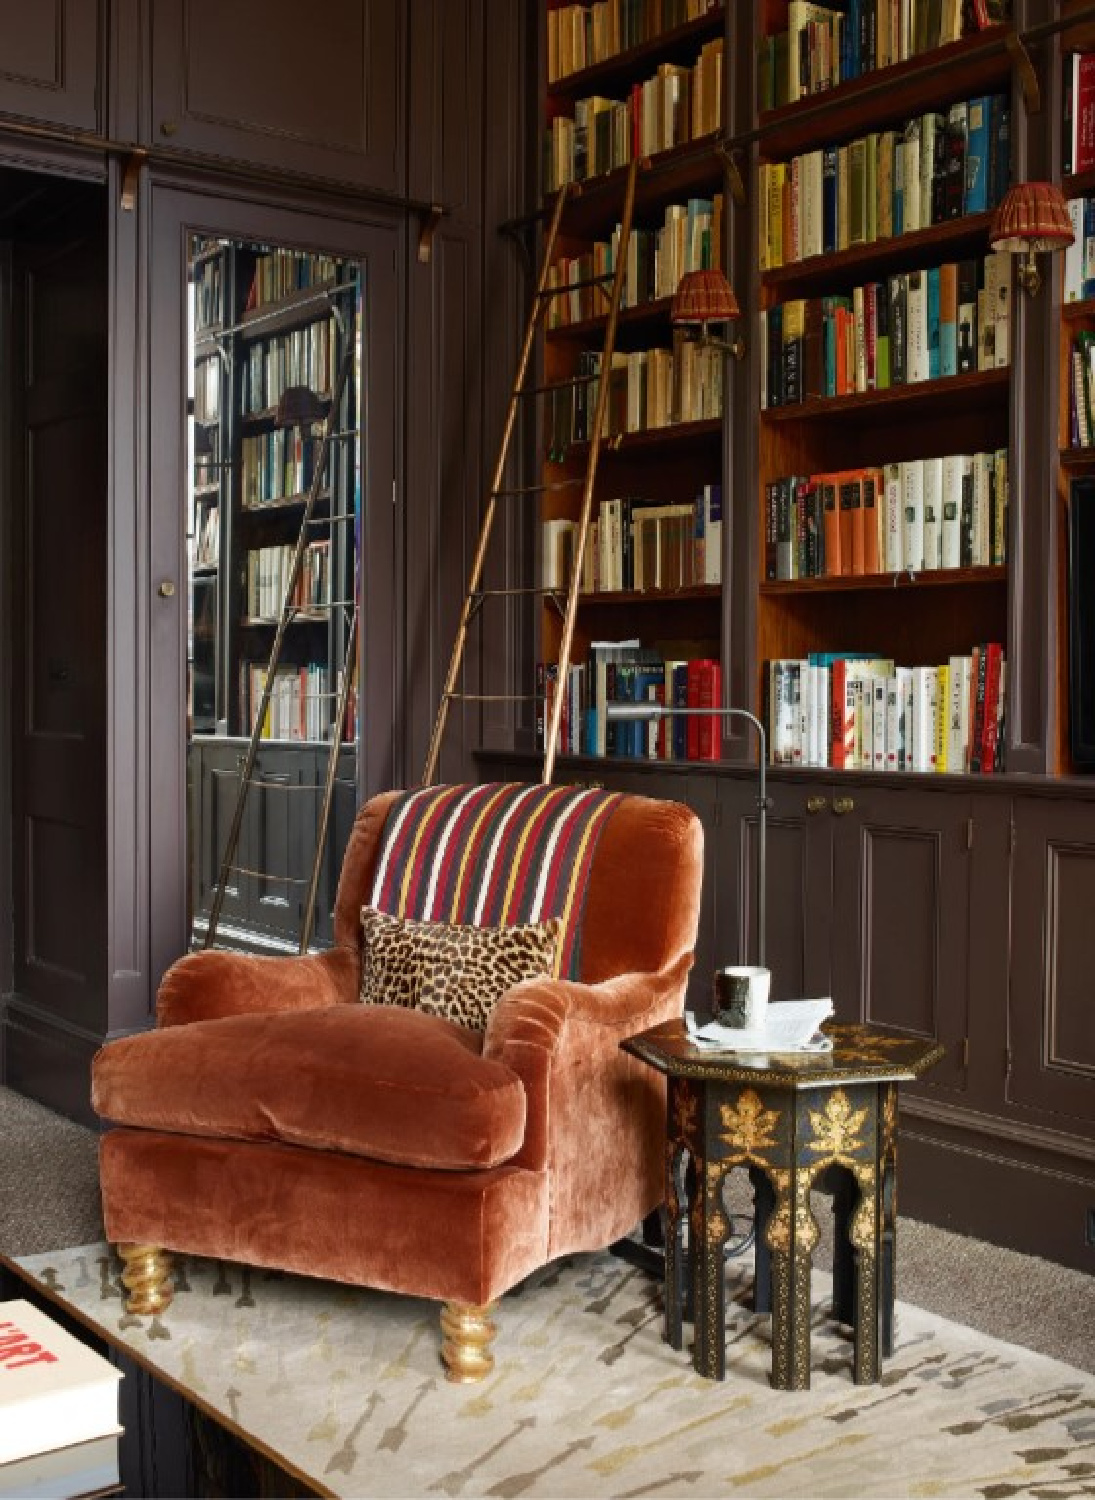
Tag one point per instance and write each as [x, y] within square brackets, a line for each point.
[844, 1197]
[866, 1234]
[675, 1258]
[764, 1200]
[887, 1289]
[792, 1235]
[708, 1227]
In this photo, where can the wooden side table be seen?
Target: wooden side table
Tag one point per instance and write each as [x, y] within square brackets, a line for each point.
[790, 1119]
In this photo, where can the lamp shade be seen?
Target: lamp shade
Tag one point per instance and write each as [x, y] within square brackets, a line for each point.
[1032, 216]
[704, 297]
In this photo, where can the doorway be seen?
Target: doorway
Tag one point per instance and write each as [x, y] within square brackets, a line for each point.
[54, 344]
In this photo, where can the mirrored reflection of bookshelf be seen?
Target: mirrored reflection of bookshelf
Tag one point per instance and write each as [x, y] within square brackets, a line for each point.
[269, 326]
[623, 81]
[886, 381]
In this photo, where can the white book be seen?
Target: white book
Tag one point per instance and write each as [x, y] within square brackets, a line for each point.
[81, 1469]
[1001, 308]
[910, 178]
[986, 313]
[958, 713]
[1073, 273]
[878, 723]
[951, 528]
[893, 520]
[54, 1390]
[912, 507]
[982, 510]
[933, 513]
[931, 125]
[903, 715]
[924, 684]
[824, 709]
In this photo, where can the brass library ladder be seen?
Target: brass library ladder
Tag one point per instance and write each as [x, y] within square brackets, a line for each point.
[476, 594]
[298, 404]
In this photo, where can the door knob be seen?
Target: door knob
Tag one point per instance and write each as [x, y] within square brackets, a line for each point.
[842, 805]
[167, 589]
[816, 804]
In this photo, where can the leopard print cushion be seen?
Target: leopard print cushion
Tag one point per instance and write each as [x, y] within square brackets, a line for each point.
[449, 969]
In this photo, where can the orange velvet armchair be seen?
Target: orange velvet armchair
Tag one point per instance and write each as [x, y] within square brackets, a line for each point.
[271, 1118]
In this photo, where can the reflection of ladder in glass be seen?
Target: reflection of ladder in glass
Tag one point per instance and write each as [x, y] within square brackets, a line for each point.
[476, 594]
[298, 405]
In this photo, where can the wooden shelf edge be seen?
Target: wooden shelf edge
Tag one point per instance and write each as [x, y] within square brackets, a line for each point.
[654, 311]
[677, 432]
[823, 268]
[1077, 458]
[861, 582]
[697, 591]
[815, 407]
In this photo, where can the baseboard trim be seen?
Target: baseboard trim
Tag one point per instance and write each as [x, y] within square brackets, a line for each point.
[47, 1059]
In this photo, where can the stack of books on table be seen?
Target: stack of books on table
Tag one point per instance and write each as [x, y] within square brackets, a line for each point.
[58, 1411]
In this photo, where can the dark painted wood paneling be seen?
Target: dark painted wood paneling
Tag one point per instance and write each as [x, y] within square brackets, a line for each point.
[1051, 1014]
[50, 62]
[257, 82]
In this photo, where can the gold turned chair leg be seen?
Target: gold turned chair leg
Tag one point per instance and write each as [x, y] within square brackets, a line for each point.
[147, 1278]
[467, 1333]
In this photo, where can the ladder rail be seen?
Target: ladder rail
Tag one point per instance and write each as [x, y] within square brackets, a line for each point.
[295, 564]
[535, 315]
[551, 731]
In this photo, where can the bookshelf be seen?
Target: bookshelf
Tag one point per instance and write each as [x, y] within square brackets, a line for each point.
[269, 327]
[649, 81]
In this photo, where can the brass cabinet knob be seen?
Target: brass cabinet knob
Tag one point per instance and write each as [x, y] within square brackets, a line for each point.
[168, 127]
[167, 589]
[842, 805]
[816, 804]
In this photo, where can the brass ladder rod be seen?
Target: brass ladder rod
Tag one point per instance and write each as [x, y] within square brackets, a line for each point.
[288, 609]
[474, 593]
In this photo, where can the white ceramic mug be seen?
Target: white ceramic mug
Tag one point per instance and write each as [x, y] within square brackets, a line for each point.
[741, 996]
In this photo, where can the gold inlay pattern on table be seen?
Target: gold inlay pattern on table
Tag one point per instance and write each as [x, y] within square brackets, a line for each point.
[749, 1127]
[838, 1129]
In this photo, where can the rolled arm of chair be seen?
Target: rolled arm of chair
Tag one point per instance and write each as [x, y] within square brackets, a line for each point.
[550, 1032]
[207, 985]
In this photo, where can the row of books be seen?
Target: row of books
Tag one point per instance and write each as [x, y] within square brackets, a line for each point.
[891, 182]
[690, 239]
[272, 365]
[301, 705]
[626, 672]
[278, 273]
[678, 104]
[648, 388]
[901, 330]
[206, 552]
[207, 389]
[917, 516]
[1078, 272]
[268, 571]
[1081, 391]
[579, 36]
[274, 465]
[824, 46]
[850, 711]
[1078, 142]
[208, 294]
[638, 545]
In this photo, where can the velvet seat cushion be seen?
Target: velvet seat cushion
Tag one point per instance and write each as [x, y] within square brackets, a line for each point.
[383, 1082]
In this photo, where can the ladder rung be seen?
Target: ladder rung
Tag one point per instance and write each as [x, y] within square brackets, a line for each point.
[348, 515]
[539, 489]
[559, 385]
[577, 286]
[541, 591]
[456, 695]
[284, 786]
[267, 875]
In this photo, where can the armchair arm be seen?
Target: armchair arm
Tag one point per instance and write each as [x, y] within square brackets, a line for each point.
[204, 986]
[562, 1040]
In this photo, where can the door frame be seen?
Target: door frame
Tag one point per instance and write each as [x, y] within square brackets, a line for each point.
[377, 242]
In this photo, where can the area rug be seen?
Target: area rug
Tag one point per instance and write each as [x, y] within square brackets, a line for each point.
[587, 1400]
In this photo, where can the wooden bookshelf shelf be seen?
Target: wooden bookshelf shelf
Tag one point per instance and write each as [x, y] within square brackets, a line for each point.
[673, 45]
[955, 237]
[286, 502]
[652, 597]
[1077, 460]
[1079, 312]
[684, 171]
[643, 316]
[859, 583]
[262, 421]
[681, 434]
[966, 391]
[977, 64]
[294, 311]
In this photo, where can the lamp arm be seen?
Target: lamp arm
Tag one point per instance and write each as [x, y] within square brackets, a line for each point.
[649, 712]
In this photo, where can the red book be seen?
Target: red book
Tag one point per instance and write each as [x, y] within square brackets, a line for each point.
[1083, 114]
[993, 655]
[692, 700]
[709, 745]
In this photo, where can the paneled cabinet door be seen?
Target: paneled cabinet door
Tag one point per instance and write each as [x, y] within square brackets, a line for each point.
[901, 883]
[1050, 1006]
[316, 92]
[50, 56]
[798, 885]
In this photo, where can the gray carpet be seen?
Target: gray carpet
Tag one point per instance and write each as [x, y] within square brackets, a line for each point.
[49, 1199]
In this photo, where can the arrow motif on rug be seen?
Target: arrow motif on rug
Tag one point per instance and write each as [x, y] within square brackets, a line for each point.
[245, 1298]
[232, 1396]
[603, 1303]
[453, 1482]
[1021, 1417]
[618, 1458]
[664, 1486]
[623, 1415]
[640, 1318]
[345, 1458]
[399, 1364]
[396, 1435]
[516, 1484]
[84, 1278]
